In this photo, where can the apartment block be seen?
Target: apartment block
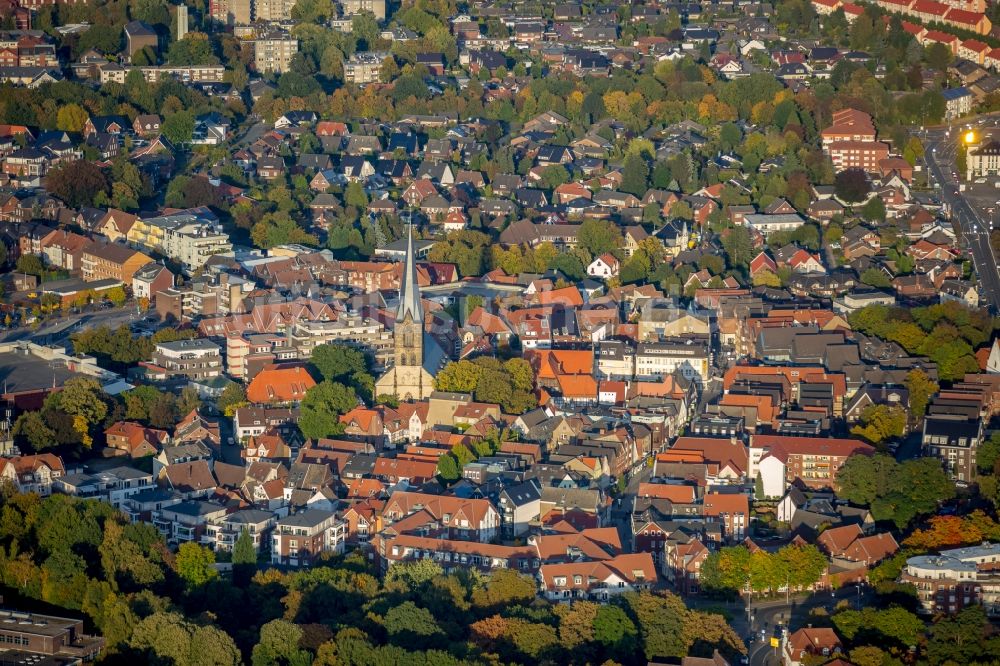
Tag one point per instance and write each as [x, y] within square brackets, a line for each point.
[273, 52]
[954, 439]
[184, 237]
[194, 359]
[363, 68]
[111, 261]
[368, 334]
[273, 10]
[956, 579]
[230, 12]
[221, 535]
[302, 538]
[352, 7]
[654, 360]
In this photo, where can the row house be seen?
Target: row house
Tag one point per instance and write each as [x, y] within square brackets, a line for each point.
[600, 580]
[474, 519]
[451, 554]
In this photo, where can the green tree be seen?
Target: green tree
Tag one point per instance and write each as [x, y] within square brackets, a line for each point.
[178, 127]
[569, 265]
[874, 210]
[730, 136]
[71, 118]
[168, 638]
[232, 397]
[553, 176]
[852, 185]
[879, 625]
[660, 620]
[410, 623]
[279, 228]
[880, 423]
[117, 296]
[961, 639]
[339, 362]
[244, 552]
[921, 387]
[938, 56]
[635, 175]
[504, 588]
[322, 407]
[875, 277]
[313, 11]
[84, 397]
[615, 630]
[599, 236]
[279, 644]
[354, 195]
[448, 468]
[195, 564]
[863, 479]
[194, 49]
[726, 570]
[989, 453]
[30, 427]
[739, 249]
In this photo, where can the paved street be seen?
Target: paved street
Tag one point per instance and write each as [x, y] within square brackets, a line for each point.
[972, 213]
[57, 332]
[769, 614]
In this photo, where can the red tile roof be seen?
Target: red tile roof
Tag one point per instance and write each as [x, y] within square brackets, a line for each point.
[277, 383]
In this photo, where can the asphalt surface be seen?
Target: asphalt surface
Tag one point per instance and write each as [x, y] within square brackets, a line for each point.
[768, 615]
[970, 214]
[57, 331]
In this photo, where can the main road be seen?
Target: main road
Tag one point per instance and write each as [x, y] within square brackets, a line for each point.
[971, 221]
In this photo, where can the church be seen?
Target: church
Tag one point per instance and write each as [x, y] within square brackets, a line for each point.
[408, 378]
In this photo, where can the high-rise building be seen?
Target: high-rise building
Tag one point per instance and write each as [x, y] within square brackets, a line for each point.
[352, 7]
[273, 52]
[230, 12]
[182, 21]
[273, 10]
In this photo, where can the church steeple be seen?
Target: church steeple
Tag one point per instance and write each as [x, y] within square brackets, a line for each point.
[408, 330]
[409, 289]
[407, 379]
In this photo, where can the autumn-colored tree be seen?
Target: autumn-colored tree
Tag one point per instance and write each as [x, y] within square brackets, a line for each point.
[488, 631]
[71, 118]
[953, 531]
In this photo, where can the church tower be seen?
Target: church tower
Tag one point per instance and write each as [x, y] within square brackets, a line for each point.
[407, 379]
[408, 333]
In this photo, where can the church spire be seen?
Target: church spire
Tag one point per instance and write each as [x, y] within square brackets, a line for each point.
[409, 289]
